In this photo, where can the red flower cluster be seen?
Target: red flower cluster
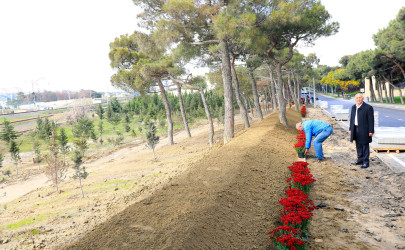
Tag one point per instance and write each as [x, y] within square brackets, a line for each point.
[299, 167]
[303, 110]
[297, 209]
[301, 181]
[288, 236]
[300, 145]
[301, 135]
[301, 177]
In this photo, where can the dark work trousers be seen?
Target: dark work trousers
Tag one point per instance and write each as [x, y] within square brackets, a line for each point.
[363, 150]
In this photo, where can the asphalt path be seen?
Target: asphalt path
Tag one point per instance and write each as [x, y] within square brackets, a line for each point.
[388, 116]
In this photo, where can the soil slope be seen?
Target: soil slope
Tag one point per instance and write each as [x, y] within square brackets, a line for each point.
[227, 200]
[225, 197]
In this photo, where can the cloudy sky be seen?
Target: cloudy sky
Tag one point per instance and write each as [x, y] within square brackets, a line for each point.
[55, 45]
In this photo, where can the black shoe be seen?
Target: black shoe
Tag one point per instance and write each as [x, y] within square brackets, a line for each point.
[365, 165]
[357, 163]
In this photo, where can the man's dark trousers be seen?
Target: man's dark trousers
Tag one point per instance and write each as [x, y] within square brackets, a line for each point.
[363, 150]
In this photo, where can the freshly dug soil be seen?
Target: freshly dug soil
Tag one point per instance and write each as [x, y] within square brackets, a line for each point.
[227, 200]
[196, 197]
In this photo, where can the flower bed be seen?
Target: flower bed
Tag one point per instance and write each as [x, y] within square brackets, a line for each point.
[297, 209]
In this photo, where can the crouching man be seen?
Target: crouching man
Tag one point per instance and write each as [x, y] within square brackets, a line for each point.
[321, 130]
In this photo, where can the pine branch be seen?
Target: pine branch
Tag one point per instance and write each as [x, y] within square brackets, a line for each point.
[206, 42]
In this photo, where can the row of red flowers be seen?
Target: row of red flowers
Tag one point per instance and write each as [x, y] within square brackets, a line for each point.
[297, 209]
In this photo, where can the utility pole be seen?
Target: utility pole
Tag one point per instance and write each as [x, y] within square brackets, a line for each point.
[313, 81]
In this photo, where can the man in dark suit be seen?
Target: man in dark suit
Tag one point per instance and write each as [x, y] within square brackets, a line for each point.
[361, 130]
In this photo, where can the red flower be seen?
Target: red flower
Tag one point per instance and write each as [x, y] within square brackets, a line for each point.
[303, 110]
[299, 144]
[299, 167]
[287, 236]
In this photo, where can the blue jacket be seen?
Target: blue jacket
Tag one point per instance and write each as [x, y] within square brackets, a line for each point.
[313, 128]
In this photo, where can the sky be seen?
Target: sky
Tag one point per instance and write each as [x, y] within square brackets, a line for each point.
[359, 20]
[64, 45]
[60, 44]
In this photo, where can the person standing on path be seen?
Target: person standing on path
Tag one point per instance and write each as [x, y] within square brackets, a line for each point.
[321, 130]
[362, 129]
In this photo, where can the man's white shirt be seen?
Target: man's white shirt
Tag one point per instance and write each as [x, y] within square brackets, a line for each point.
[355, 118]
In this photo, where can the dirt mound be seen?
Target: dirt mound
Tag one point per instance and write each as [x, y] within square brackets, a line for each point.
[225, 197]
[227, 200]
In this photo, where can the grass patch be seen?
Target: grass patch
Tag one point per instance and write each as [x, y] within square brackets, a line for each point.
[110, 185]
[397, 100]
[26, 222]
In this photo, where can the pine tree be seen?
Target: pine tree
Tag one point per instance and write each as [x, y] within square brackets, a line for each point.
[14, 150]
[63, 143]
[80, 172]
[37, 151]
[109, 111]
[46, 129]
[151, 138]
[100, 131]
[115, 120]
[100, 111]
[8, 134]
[55, 169]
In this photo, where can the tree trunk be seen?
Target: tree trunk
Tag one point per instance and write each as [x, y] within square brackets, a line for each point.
[266, 103]
[183, 112]
[279, 89]
[297, 89]
[400, 95]
[247, 104]
[168, 112]
[250, 106]
[387, 99]
[242, 108]
[400, 92]
[284, 91]
[229, 120]
[373, 98]
[273, 88]
[81, 188]
[154, 155]
[380, 92]
[270, 97]
[290, 89]
[255, 94]
[16, 167]
[55, 159]
[207, 113]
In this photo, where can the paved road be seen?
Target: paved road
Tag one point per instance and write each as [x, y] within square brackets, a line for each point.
[391, 116]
